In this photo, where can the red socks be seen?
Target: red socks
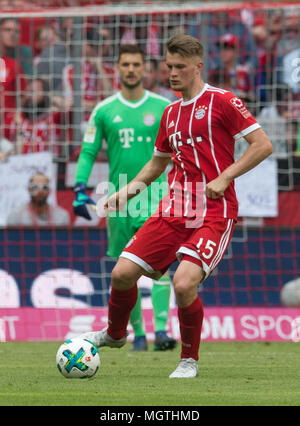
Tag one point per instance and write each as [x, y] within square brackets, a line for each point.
[190, 322]
[120, 305]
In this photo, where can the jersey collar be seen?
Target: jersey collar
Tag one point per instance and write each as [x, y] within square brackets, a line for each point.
[133, 104]
[191, 101]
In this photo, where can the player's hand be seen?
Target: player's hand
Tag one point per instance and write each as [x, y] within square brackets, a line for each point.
[216, 188]
[117, 201]
[81, 199]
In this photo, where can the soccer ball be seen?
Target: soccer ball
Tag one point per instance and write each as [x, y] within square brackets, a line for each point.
[78, 358]
[290, 294]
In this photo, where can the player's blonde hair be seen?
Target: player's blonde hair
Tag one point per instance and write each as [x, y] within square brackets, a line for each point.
[185, 46]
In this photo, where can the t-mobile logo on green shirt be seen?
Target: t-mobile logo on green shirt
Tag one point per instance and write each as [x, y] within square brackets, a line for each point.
[126, 136]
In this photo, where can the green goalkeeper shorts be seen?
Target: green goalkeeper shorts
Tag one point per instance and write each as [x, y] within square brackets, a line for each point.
[120, 230]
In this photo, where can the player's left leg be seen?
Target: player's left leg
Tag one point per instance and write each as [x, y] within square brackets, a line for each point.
[190, 315]
[200, 254]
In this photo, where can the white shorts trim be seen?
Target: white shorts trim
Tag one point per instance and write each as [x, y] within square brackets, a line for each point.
[137, 260]
[184, 250]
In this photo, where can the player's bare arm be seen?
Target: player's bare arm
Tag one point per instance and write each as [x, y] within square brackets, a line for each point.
[260, 147]
[149, 173]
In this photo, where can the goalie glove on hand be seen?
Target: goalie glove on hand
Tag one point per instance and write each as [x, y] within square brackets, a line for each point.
[81, 199]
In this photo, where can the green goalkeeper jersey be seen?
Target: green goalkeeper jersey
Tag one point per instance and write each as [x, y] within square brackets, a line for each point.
[129, 129]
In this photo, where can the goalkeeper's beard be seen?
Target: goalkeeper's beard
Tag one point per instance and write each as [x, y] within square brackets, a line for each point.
[131, 85]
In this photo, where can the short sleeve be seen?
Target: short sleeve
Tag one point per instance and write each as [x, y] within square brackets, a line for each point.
[162, 147]
[236, 117]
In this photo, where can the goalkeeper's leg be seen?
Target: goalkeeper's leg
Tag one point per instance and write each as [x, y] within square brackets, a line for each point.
[136, 321]
[160, 294]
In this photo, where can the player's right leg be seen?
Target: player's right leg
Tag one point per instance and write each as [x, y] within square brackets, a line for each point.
[120, 230]
[199, 255]
[144, 255]
[122, 300]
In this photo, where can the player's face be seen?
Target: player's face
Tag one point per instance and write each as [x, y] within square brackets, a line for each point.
[183, 71]
[131, 69]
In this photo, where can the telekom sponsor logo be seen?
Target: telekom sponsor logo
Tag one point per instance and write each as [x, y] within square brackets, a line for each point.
[220, 324]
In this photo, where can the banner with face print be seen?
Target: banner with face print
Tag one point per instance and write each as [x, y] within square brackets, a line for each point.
[14, 177]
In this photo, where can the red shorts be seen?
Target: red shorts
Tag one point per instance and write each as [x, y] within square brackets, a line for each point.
[163, 240]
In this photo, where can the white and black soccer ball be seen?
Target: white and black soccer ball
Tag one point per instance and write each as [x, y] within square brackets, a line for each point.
[78, 358]
[290, 294]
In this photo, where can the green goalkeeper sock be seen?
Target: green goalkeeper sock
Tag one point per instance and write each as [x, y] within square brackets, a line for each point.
[161, 302]
[136, 317]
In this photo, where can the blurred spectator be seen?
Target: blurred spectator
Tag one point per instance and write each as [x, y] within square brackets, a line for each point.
[16, 5]
[288, 52]
[35, 128]
[237, 77]
[10, 33]
[265, 36]
[220, 77]
[6, 147]
[291, 112]
[106, 54]
[260, 35]
[152, 81]
[96, 83]
[271, 117]
[37, 211]
[213, 25]
[45, 36]
[12, 86]
[52, 60]
[137, 30]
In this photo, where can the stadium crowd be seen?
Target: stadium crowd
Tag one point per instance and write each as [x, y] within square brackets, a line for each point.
[54, 70]
[254, 55]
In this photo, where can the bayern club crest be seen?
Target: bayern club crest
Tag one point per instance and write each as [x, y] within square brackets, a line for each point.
[200, 112]
[149, 120]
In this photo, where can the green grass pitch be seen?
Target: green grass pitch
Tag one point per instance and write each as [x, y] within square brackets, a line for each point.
[230, 374]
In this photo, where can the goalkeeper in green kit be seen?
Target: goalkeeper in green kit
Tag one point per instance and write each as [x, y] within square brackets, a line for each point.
[128, 121]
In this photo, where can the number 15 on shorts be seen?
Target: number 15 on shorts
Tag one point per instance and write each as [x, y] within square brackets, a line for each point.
[209, 248]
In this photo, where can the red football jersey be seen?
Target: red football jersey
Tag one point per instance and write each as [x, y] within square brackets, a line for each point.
[12, 83]
[89, 81]
[39, 135]
[92, 86]
[199, 135]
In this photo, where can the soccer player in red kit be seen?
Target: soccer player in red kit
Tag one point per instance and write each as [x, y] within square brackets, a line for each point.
[194, 223]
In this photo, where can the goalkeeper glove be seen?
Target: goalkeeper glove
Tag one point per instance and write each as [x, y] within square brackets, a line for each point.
[81, 199]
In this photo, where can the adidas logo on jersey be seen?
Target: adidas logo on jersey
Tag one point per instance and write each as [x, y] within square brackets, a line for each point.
[117, 119]
[172, 124]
